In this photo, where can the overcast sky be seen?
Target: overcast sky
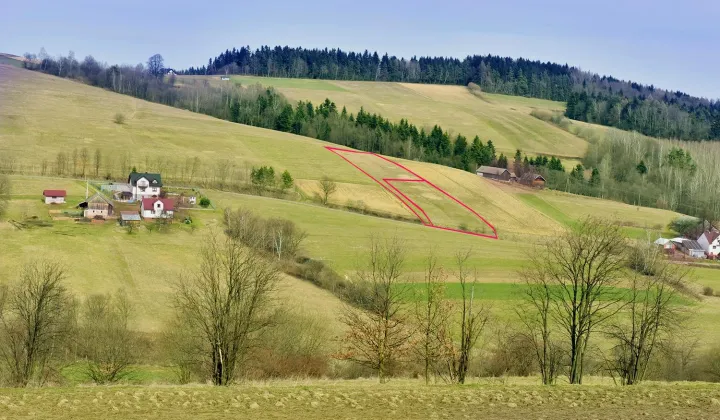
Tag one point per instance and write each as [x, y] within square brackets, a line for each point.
[671, 44]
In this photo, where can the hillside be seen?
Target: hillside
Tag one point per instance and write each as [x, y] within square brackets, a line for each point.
[42, 116]
[503, 119]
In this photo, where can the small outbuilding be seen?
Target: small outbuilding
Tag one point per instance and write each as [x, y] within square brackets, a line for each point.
[129, 218]
[533, 180]
[54, 196]
[491, 172]
[689, 247]
[97, 206]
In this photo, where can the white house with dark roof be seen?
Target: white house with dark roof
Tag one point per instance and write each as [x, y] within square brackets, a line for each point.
[144, 185]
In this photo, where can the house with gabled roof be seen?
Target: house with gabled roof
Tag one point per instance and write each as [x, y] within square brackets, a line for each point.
[54, 196]
[710, 242]
[144, 185]
[97, 206]
[156, 208]
[491, 172]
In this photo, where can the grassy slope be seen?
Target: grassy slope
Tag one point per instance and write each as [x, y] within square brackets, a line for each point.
[42, 115]
[504, 119]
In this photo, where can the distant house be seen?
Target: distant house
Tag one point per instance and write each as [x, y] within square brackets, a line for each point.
[689, 247]
[491, 172]
[144, 185]
[129, 217]
[154, 208]
[532, 180]
[224, 78]
[666, 244]
[710, 242]
[97, 206]
[54, 196]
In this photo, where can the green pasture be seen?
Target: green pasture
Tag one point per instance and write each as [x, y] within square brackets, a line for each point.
[505, 120]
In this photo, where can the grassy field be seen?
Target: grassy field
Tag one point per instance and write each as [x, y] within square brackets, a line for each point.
[364, 399]
[41, 115]
[505, 120]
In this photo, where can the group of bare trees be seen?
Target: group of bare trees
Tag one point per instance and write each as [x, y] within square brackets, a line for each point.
[438, 333]
[580, 285]
[41, 332]
[576, 287]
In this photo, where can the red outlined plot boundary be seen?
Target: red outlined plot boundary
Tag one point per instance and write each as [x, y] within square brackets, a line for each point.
[387, 184]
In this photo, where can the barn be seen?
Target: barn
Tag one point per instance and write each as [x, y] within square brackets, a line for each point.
[491, 172]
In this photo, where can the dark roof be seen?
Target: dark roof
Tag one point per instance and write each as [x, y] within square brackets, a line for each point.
[692, 245]
[154, 179]
[168, 205]
[130, 216]
[54, 193]
[492, 170]
[97, 197]
[530, 177]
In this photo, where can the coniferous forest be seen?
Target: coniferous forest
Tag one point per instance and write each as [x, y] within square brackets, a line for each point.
[603, 100]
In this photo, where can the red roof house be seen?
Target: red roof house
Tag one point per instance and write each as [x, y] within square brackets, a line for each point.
[152, 208]
[54, 196]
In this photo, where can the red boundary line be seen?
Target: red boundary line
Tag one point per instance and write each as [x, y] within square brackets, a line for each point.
[387, 185]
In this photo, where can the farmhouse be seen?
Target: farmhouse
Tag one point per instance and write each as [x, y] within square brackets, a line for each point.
[689, 247]
[54, 196]
[144, 185]
[710, 242]
[224, 78]
[154, 208]
[491, 172]
[533, 180]
[97, 206]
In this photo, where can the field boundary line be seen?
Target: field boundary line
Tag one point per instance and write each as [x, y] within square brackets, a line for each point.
[387, 184]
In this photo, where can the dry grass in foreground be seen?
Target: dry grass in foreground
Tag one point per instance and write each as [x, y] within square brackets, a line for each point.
[365, 400]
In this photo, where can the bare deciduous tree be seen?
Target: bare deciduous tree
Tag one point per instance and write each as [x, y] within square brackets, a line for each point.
[432, 316]
[224, 304]
[651, 314]
[536, 315]
[84, 160]
[379, 337]
[105, 339]
[582, 268]
[4, 194]
[97, 162]
[35, 319]
[328, 188]
[473, 318]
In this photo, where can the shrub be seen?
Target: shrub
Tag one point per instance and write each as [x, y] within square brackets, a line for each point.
[119, 118]
[708, 291]
[204, 202]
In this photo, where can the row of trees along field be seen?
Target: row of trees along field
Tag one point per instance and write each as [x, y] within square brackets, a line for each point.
[614, 102]
[261, 107]
[611, 175]
[635, 169]
[581, 288]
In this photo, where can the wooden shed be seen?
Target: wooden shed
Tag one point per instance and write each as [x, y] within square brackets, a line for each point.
[491, 172]
[97, 206]
[533, 180]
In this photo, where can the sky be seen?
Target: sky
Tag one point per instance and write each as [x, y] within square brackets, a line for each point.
[673, 45]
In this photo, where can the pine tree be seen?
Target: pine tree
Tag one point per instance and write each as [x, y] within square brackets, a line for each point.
[595, 177]
[641, 168]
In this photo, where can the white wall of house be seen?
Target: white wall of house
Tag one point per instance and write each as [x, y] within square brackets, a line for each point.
[91, 213]
[54, 200]
[713, 248]
[156, 211]
[143, 189]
